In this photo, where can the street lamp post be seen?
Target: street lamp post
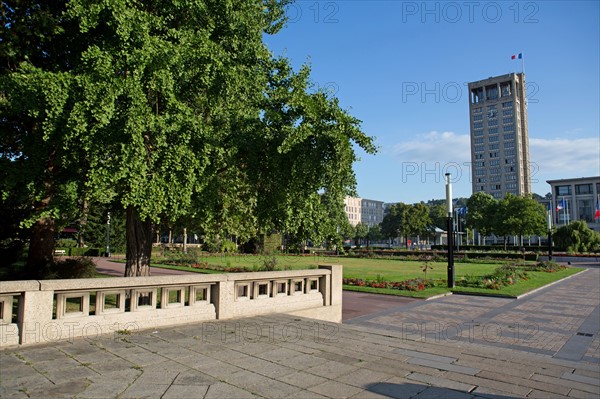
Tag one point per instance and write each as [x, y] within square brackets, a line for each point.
[549, 235]
[450, 231]
[108, 236]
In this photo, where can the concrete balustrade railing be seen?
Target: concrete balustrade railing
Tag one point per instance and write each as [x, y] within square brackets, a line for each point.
[33, 312]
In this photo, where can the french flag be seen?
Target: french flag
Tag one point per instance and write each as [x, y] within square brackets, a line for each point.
[597, 214]
[517, 56]
[561, 205]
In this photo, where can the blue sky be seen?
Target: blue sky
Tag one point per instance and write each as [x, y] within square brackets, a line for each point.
[402, 68]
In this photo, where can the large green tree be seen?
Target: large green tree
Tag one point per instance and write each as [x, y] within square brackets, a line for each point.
[177, 112]
[481, 212]
[406, 220]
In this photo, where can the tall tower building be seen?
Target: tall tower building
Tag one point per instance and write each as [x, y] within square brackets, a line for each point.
[499, 136]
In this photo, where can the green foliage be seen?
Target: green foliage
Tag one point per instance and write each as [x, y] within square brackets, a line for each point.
[547, 266]
[577, 237]
[503, 276]
[66, 243]
[406, 220]
[269, 264]
[175, 111]
[70, 268]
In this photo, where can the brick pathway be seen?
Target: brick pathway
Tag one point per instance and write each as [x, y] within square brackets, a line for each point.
[538, 346]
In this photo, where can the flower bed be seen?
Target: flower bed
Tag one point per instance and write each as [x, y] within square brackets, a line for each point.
[415, 284]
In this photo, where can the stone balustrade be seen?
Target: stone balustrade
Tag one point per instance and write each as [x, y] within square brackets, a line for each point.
[42, 311]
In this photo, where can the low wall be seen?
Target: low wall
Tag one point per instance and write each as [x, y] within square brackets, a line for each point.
[33, 312]
[572, 259]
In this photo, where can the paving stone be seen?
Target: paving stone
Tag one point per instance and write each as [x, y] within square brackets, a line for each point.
[541, 386]
[437, 392]
[149, 391]
[397, 388]
[185, 391]
[545, 395]
[441, 382]
[334, 389]
[568, 383]
[425, 355]
[362, 377]
[483, 384]
[223, 390]
[444, 366]
[192, 377]
[576, 393]
[110, 366]
[302, 379]
[64, 389]
[581, 378]
[331, 369]
[69, 374]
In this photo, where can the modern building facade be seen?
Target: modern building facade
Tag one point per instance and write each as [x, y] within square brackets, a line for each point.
[365, 211]
[575, 199]
[499, 136]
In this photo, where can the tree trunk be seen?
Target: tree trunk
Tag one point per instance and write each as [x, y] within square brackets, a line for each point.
[85, 210]
[41, 247]
[139, 244]
[185, 240]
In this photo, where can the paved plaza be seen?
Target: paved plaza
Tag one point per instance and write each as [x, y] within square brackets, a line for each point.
[544, 345]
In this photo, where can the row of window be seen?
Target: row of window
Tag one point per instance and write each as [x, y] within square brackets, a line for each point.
[579, 189]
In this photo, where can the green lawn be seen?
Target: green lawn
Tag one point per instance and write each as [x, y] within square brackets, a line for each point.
[391, 270]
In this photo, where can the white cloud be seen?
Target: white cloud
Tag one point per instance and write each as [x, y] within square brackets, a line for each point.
[432, 147]
[564, 158]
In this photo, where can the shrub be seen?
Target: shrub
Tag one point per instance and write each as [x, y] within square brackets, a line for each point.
[65, 243]
[70, 268]
[269, 264]
[547, 266]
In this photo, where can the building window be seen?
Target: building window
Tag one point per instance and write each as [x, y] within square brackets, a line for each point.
[509, 144]
[478, 132]
[480, 172]
[493, 122]
[478, 140]
[479, 148]
[509, 128]
[509, 161]
[585, 210]
[478, 125]
[511, 177]
[493, 130]
[495, 178]
[583, 189]
[493, 138]
[509, 168]
[491, 92]
[510, 153]
[494, 146]
[563, 190]
[509, 136]
[508, 120]
[493, 155]
[507, 112]
[478, 117]
[491, 107]
[478, 110]
[494, 171]
[507, 104]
